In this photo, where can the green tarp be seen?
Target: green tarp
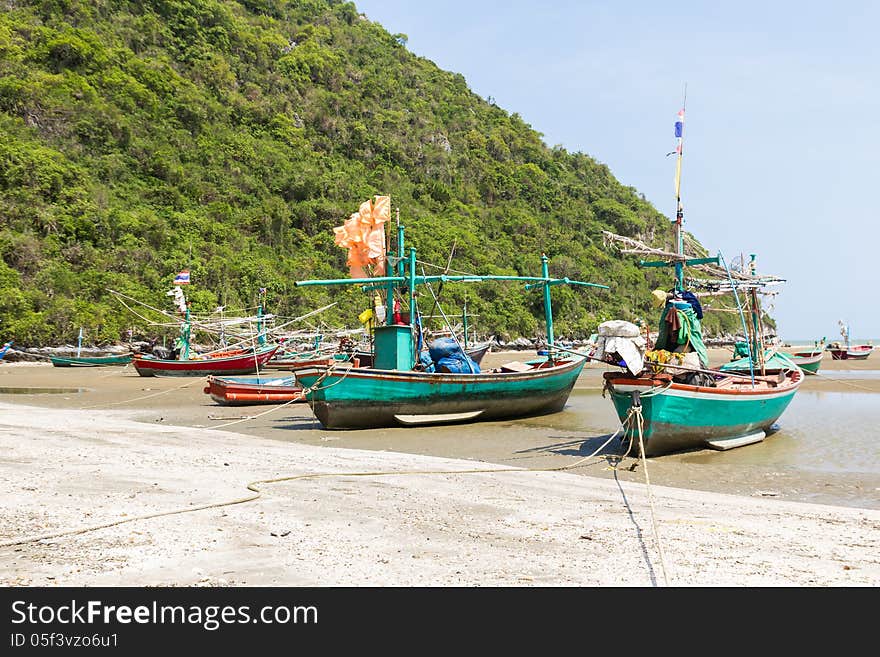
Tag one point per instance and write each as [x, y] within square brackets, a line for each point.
[690, 332]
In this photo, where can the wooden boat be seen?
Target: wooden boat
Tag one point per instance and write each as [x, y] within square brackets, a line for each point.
[807, 361]
[855, 352]
[774, 363]
[90, 361]
[684, 410]
[678, 417]
[246, 391]
[348, 397]
[393, 392]
[5, 348]
[247, 363]
[847, 351]
[292, 363]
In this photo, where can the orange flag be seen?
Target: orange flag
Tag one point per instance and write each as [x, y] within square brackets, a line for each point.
[363, 234]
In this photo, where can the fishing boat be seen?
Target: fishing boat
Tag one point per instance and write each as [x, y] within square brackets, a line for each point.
[807, 361]
[90, 361]
[775, 362]
[854, 352]
[847, 351]
[668, 409]
[251, 390]
[78, 360]
[194, 365]
[5, 348]
[408, 385]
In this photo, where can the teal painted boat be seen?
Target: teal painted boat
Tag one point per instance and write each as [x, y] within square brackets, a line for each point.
[809, 363]
[685, 408]
[349, 397]
[409, 384]
[777, 362]
[90, 361]
[679, 417]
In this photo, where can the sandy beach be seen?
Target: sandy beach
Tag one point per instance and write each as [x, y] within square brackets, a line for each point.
[340, 515]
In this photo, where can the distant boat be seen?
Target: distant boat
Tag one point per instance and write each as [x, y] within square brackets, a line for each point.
[244, 363]
[774, 363]
[847, 351]
[250, 390]
[856, 352]
[808, 361]
[5, 348]
[90, 361]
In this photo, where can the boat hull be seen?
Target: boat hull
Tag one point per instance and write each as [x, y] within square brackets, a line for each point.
[853, 353]
[241, 364]
[248, 391]
[808, 363]
[90, 361]
[679, 417]
[349, 398]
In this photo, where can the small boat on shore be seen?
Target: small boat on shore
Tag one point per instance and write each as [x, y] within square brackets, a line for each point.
[246, 363]
[410, 383]
[348, 397]
[809, 362]
[667, 406]
[90, 361]
[5, 348]
[251, 390]
[845, 350]
[855, 352]
[776, 362]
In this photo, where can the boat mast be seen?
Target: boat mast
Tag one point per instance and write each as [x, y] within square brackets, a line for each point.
[679, 210]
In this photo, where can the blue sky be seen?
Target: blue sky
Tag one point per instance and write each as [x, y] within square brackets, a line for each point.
[782, 129]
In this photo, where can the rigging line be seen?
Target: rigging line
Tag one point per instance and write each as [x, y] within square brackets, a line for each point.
[454, 271]
[449, 325]
[445, 272]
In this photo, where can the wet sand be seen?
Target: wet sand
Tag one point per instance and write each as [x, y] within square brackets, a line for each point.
[120, 447]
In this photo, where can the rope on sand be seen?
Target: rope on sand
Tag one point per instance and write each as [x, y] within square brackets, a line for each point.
[253, 486]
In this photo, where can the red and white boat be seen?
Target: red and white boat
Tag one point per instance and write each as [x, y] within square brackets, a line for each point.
[856, 352]
[248, 390]
[247, 362]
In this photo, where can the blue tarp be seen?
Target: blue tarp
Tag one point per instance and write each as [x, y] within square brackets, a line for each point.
[447, 354]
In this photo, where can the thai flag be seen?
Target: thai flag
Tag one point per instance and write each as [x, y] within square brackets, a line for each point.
[182, 278]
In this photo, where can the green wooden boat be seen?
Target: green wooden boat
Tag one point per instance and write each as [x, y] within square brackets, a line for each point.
[809, 362]
[392, 392]
[90, 361]
[677, 410]
[777, 362]
[349, 397]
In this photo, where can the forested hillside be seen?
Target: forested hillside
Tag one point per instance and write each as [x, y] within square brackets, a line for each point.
[229, 138]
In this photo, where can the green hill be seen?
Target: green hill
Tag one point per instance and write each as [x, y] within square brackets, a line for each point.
[229, 138]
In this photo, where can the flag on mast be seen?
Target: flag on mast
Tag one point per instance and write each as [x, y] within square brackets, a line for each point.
[182, 278]
[679, 136]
